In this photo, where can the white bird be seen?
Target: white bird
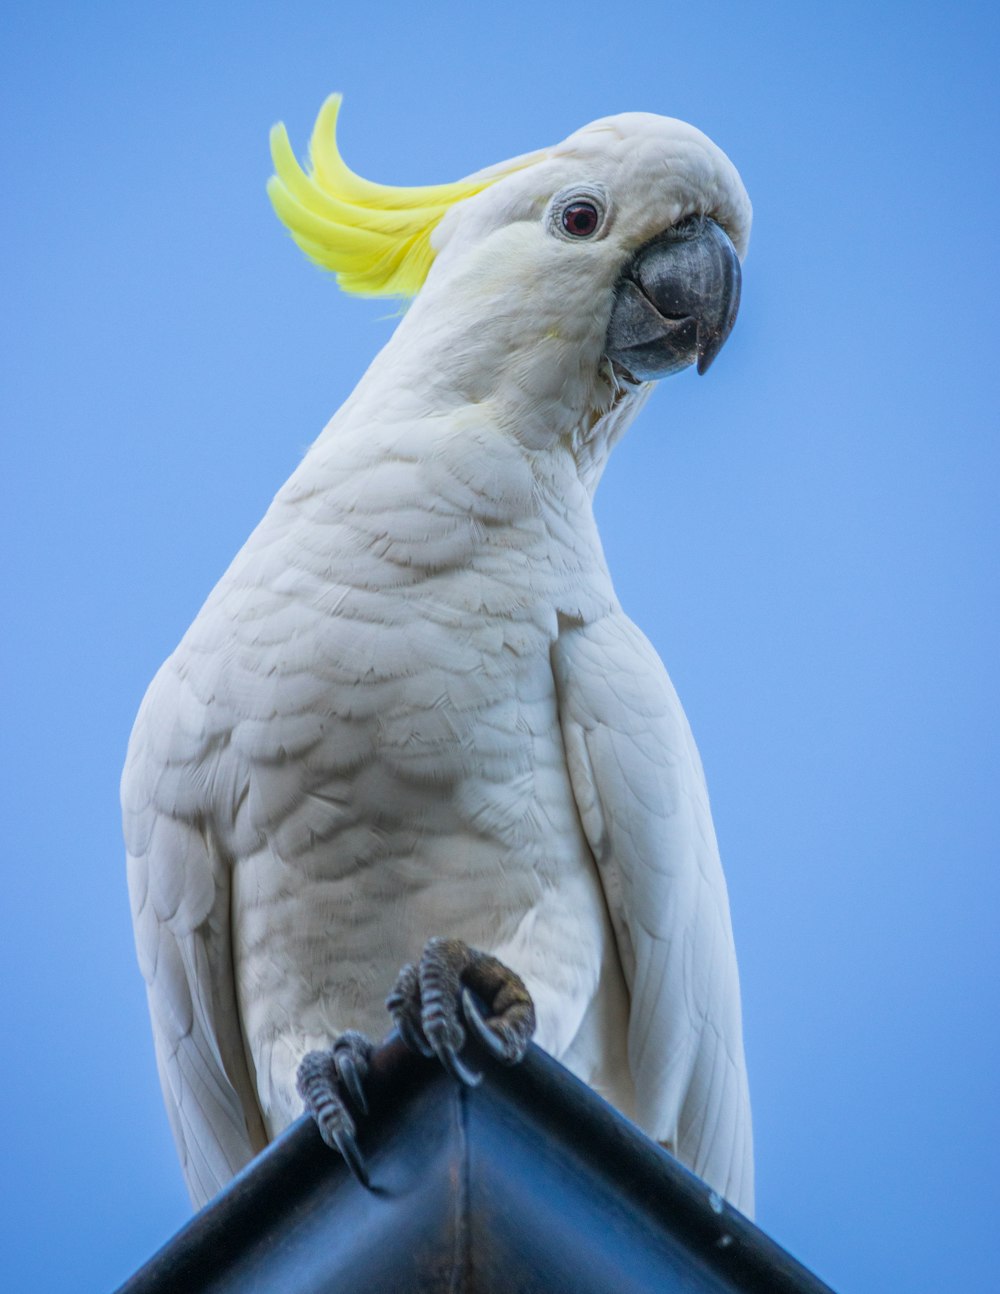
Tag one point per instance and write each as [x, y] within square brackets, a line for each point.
[413, 706]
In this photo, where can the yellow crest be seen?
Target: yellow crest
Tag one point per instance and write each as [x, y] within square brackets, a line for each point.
[375, 237]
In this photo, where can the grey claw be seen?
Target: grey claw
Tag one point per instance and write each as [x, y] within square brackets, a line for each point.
[348, 1147]
[482, 1030]
[412, 1038]
[347, 1071]
[449, 1059]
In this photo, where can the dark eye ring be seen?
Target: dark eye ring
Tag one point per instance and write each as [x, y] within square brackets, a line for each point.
[580, 219]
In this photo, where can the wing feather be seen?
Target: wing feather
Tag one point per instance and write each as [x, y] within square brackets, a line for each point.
[180, 910]
[640, 791]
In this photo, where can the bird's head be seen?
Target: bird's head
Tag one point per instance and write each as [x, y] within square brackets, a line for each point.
[613, 257]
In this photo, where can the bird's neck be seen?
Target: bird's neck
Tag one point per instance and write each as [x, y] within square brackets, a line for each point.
[545, 390]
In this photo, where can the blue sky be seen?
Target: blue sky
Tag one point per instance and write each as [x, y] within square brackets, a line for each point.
[809, 536]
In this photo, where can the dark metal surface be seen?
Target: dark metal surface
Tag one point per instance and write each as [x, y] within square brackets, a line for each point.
[527, 1183]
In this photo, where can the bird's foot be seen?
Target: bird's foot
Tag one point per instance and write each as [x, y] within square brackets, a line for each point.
[323, 1079]
[425, 1006]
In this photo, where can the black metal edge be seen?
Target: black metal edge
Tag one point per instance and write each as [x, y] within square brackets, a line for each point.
[650, 1178]
[272, 1184]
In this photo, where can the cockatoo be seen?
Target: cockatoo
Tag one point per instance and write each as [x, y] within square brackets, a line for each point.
[413, 708]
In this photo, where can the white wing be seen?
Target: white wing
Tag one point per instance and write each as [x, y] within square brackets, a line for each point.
[181, 914]
[641, 795]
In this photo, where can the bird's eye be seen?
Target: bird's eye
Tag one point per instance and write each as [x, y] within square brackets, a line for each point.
[579, 211]
[580, 219]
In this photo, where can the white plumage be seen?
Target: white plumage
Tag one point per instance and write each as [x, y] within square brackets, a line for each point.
[413, 706]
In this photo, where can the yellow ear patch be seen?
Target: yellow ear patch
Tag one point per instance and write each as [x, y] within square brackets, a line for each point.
[374, 237]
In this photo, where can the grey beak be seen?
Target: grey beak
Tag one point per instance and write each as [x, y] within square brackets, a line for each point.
[676, 302]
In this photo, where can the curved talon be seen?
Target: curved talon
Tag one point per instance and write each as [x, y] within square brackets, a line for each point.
[424, 1005]
[482, 1030]
[348, 1147]
[347, 1071]
[412, 1038]
[455, 1067]
[401, 1003]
